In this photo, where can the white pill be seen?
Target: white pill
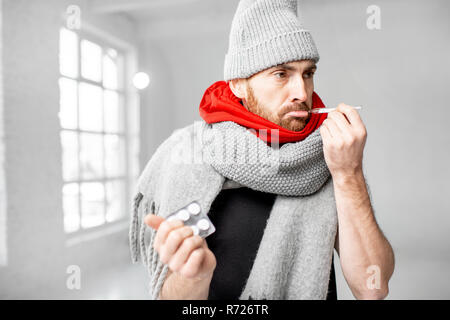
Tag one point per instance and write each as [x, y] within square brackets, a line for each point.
[203, 224]
[171, 218]
[183, 215]
[194, 208]
[195, 229]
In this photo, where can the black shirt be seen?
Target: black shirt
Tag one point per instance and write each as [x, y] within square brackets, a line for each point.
[240, 217]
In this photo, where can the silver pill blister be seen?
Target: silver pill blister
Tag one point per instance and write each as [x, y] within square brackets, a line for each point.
[192, 216]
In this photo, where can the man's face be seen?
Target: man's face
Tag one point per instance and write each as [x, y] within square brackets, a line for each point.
[275, 92]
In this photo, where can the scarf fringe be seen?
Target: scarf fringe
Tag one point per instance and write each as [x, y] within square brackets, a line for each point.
[156, 270]
[134, 227]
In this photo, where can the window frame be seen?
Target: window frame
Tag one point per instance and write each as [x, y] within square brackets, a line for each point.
[128, 100]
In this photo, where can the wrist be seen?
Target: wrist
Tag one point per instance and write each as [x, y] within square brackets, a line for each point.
[346, 177]
[351, 190]
[179, 287]
[196, 280]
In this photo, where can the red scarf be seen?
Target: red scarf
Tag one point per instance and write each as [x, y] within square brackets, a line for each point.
[220, 104]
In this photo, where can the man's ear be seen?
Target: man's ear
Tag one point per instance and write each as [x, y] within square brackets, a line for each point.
[237, 86]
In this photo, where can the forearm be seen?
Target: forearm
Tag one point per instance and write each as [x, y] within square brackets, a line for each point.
[361, 242]
[176, 287]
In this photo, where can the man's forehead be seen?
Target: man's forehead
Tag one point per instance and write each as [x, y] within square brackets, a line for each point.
[294, 65]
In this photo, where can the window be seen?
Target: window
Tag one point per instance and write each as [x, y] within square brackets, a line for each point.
[96, 144]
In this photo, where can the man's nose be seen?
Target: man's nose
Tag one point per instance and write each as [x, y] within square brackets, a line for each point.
[297, 89]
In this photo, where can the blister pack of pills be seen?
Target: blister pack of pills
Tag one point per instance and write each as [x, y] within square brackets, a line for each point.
[192, 216]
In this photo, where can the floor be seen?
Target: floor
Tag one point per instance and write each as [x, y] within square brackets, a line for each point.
[413, 279]
[124, 282]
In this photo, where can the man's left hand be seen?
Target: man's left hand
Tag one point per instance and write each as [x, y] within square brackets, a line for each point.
[344, 136]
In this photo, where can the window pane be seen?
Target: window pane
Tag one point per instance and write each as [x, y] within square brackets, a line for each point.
[69, 143]
[115, 200]
[120, 71]
[113, 114]
[68, 53]
[91, 61]
[68, 103]
[114, 155]
[91, 153]
[92, 204]
[110, 72]
[70, 207]
[90, 107]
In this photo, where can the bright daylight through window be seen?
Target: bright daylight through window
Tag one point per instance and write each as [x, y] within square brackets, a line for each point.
[93, 132]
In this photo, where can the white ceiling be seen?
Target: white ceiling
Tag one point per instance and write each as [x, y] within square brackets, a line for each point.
[154, 10]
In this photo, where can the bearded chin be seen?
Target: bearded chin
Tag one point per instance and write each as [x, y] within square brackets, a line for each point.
[293, 124]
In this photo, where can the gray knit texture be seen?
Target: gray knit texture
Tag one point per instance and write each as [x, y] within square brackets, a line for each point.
[294, 169]
[266, 33]
[294, 257]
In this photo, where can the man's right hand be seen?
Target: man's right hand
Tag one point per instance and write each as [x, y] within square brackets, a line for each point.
[185, 253]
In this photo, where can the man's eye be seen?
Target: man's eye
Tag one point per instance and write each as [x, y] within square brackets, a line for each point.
[309, 74]
[280, 74]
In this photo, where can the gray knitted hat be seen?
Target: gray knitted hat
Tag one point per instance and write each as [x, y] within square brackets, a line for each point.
[266, 33]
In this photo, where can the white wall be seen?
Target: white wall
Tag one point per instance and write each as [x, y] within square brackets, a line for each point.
[400, 74]
[181, 70]
[38, 256]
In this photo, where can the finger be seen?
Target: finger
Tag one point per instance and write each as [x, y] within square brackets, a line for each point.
[153, 221]
[342, 123]
[174, 241]
[351, 114]
[193, 264]
[164, 228]
[184, 251]
[333, 128]
[325, 133]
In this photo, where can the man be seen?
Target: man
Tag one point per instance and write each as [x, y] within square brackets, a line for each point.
[275, 230]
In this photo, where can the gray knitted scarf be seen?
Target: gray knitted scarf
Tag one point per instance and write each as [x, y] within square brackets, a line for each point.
[195, 163]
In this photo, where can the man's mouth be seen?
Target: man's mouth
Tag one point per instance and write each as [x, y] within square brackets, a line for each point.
[298, 114]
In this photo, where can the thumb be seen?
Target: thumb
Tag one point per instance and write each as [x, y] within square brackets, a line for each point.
[153, 221]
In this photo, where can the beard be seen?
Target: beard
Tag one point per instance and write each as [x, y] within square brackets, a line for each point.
[279, 118]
